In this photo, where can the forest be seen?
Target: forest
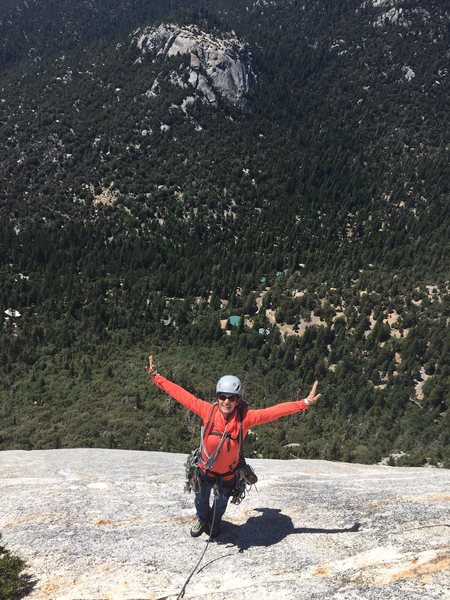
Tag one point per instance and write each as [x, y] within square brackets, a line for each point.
[318, 215]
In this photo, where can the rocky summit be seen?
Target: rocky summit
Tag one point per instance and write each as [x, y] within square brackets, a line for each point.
[96, 524]
[218, 66]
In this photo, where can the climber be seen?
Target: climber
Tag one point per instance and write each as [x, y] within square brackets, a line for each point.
[221, 438]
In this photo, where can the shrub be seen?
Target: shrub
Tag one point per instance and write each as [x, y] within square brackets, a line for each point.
[11, 580]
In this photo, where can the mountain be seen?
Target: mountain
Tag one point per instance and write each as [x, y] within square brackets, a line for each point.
[166, 166]
[96, 523]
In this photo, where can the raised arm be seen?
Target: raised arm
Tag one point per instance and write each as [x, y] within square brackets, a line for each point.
[312, 397]
[151, 369]
[188, 400]
[272, 413]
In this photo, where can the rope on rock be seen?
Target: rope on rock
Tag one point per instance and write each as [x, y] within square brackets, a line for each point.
[216, 496]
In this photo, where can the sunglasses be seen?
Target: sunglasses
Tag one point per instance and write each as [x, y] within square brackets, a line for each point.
[230, 397]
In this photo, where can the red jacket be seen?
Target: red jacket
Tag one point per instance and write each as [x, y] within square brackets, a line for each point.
[229, 454]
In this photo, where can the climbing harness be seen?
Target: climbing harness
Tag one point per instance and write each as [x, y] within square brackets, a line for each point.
[245, 475]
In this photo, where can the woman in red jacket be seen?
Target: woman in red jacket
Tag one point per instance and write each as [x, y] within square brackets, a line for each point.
[221, 439]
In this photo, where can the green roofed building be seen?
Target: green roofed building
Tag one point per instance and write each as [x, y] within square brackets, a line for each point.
[234, 320]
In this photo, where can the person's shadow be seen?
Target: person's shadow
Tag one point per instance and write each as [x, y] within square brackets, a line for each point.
[268, 528]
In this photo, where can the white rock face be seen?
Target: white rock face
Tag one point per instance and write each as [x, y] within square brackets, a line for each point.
[408, 73]
[10, 312]
[395, 16]
[96, 524]
[218, 66]
[395, 12]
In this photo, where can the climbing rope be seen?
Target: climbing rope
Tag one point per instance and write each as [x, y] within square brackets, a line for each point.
[216, 497]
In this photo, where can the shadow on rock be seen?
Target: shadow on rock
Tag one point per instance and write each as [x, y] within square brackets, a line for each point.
[27, 585]
[268, 528]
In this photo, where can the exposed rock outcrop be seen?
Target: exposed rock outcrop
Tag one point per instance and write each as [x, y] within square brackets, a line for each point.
[216, 66]
[96, 524]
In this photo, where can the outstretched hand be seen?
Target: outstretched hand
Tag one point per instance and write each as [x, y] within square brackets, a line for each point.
[151, 370]
[312, 397]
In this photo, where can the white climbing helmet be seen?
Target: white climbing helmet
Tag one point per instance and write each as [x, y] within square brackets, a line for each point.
[229, 384]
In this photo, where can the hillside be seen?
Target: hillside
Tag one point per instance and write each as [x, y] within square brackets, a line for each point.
[96, 523]
[166, 167]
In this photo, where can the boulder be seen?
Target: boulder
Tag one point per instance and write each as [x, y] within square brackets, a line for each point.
[218, 66]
